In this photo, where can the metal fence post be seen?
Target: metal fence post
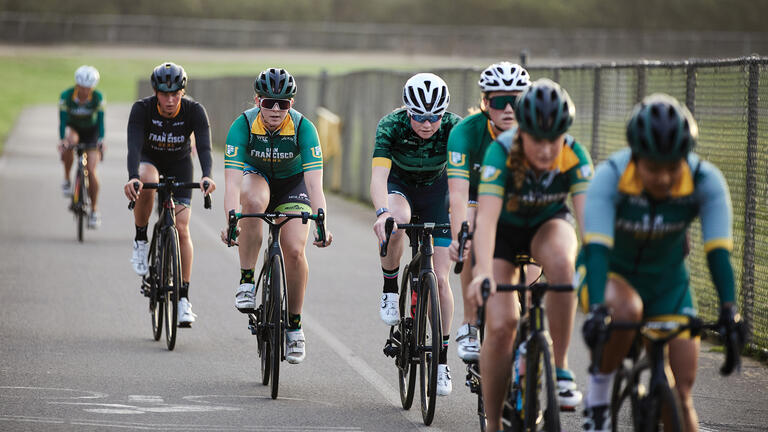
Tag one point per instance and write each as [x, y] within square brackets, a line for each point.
[690, 87]
[748, 260]
[642, 86]
[594, 153]
[321, 88]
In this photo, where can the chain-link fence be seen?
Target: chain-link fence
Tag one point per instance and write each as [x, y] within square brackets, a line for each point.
[729, 99]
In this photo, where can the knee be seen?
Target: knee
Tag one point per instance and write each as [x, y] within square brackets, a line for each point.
[251, 203]
[628, 310]
[293, 253]
[501, 328]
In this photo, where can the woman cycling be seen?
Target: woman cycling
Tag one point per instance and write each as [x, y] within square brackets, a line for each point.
[274, 162]
[638, 209]
[500, 84]
[408, 178]
[527, 175]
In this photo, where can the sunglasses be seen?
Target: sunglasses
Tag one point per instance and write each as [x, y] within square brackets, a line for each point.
[419, 118]
[269, 103]
[501, 102]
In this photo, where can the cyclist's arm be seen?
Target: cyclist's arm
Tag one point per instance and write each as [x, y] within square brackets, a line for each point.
[493, 178]
[136, 129]
[381, 163]
[203, 139]
[100, 114]
[458, 194]
[234, 163]
[63, 117]
[599, 217]
[716, 225]
[580, 178]
[458, 169]
[312, 164]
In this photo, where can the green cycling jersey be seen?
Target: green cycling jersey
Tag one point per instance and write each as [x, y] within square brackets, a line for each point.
[81, 115]
[467, 145]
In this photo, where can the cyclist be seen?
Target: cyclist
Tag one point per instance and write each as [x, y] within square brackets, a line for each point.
[638, 209]
[159, 143]
[500, 84]
[527, 175]
[274, 162]
[408, 177]
[81, 119]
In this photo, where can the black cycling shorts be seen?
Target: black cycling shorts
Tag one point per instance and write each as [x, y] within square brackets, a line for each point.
[89, 136]
[512, 240]
[286, 195]
[182, 170]
[429, 203]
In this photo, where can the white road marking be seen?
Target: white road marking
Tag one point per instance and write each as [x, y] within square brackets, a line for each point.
[145, 399]
[91, 394]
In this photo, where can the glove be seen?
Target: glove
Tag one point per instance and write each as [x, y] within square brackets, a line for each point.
[595, 328]
[734, 334]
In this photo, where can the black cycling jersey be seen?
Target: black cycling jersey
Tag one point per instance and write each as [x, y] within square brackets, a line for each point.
[166, 140]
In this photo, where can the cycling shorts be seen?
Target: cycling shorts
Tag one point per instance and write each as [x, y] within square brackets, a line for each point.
[512, 240]
[89, 136]
[182, 170]
[286, 195]
[427, 202]
[665, 293]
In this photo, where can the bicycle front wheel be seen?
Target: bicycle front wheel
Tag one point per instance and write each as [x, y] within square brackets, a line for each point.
[406, 369]
[78, 200]
[429, 340]
[664, 406]
[542, 411]
[171, 282]
[265, 348]
[277, 334]
[156, 301]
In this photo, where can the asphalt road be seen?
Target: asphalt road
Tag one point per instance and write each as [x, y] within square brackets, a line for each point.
[76, 351]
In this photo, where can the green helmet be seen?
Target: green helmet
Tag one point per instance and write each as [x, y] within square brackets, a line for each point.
[544, 110]
[275, 83]
[660, 128]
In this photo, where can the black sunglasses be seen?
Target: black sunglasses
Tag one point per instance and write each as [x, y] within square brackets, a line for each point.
[269, 103]
[501, 102]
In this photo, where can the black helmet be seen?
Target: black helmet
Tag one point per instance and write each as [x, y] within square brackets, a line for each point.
[168, 77]
[275, 83]
[660, 128]
[544, 110]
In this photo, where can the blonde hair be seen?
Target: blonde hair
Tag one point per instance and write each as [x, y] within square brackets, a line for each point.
[516, 161]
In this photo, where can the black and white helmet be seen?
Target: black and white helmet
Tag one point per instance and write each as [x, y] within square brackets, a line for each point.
[504, 76]
[426, 94]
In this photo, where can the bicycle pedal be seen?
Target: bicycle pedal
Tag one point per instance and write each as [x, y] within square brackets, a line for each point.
[390, 350]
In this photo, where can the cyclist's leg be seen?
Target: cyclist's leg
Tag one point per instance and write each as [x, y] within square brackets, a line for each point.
[148, 173]
[94, 157]
[68, 156]
[683, 359]
[293, 241]
[400, 209]
[470, 306]
[501, 317]
[183, 216]
[442, 264]
[254, 198]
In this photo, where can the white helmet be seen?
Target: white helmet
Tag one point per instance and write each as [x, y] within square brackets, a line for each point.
[87, 76]
[504, 76]
[425, 94]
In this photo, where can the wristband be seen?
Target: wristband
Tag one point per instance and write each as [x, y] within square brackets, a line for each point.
[381, 211]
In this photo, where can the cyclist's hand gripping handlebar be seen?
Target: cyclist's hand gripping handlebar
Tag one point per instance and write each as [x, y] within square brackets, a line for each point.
[388, 225]
[206, 197]
[464, 235]
[232, 229]
[485, 291]
[320, 225]
[132, 204]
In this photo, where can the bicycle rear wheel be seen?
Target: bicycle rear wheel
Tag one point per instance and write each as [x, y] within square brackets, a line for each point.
[78, 201]
[406, 368]
[540, 403]
[277, 335]
[171, 282]
[428, 320]
[156, 301]
[664, 400]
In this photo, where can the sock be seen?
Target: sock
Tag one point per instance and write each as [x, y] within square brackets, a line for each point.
[246, 276]
[141, 233]
[599, 389]
[294, 321]
[184, 290]
[390, 279]
[444, 350]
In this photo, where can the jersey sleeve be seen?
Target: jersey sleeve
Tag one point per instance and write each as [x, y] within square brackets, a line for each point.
[493, 174]
[581, 174]
[237, 143]
[63, 115]
[458, 152]
[309, 144]
[203, 139]
[100, 113]
[715, 209]
[382, 150]
[136, 129]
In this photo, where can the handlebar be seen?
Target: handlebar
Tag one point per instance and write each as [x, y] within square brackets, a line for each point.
[463, 236]
[485, 291]
[173, 185]
[388, 225]
[233, 217]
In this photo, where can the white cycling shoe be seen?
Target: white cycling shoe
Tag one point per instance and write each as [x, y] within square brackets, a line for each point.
[468, 343]
[186, 316]
[294, 352]
[390, 309]
[245, 299]
[139, 257]
[444, 385]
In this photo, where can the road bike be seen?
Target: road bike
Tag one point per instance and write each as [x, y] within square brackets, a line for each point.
[417, 339]
[80, 202]
[162, 282]
[268, 322]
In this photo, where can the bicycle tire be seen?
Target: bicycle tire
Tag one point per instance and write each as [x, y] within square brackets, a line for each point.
[276, 326]
[171, 281]
[540, 403]
[664, 396]
[406, 369]
[428, 359]
[79, 200]
[265, 349]
[622, 385]
[155, 300]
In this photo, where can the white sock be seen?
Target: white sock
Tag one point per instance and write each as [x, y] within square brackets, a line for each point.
[599, 389]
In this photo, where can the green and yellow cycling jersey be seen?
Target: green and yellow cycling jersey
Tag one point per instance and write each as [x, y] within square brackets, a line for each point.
[81, 115]
[541, 195]
[412, 159]
[294, 147]
[467, 145]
